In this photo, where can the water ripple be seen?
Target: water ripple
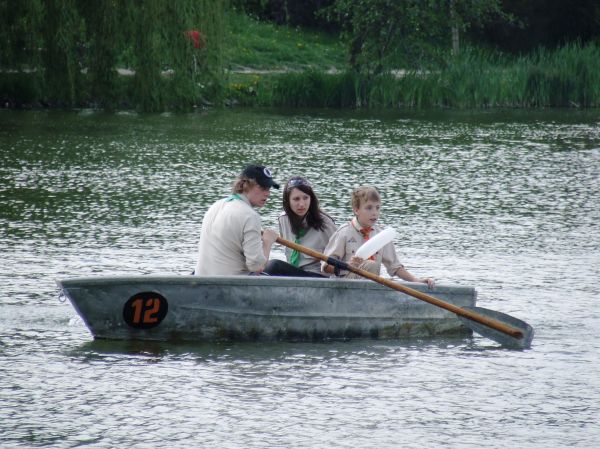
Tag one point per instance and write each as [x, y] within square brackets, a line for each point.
[505, 201]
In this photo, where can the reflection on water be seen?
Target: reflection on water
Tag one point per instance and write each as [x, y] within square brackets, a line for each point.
[505, 201]
[270, 352]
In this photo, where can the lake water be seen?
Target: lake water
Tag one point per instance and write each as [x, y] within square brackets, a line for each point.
[505, 201]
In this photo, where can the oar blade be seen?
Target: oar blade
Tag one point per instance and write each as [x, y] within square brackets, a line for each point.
[505, 340]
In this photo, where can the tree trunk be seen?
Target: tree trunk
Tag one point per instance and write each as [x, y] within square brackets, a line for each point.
[455, 35]
[455, 40]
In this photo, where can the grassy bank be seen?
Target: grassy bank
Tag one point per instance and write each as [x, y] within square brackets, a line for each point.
[268, 65]
[567, 77]
[293, 68]
[258, 46]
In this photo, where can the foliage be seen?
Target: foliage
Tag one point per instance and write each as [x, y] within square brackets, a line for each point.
[567, 77]
[384, 34]
[541, 23]
[105, 42]
[476, 78]
[75, 47]
[136, 54]
[62, 31]
[311, 89]
[19, 48]
[304, 13]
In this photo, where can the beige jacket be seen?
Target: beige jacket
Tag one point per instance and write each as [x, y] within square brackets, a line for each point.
[230, 239]
[347, 239]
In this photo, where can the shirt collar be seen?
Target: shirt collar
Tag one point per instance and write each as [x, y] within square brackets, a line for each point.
[245, 199]
[238, 196]
[356, 225]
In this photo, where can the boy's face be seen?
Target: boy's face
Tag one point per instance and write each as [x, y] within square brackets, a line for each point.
[368, 212]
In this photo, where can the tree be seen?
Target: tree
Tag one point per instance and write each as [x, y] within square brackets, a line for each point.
[387, 34]
[104, 44]
[62, 31]
[546, 23]
[304, 13]
[70, 51]
[20, 39]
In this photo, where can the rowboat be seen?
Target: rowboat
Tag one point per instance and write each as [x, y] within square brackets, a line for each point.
[241, 308]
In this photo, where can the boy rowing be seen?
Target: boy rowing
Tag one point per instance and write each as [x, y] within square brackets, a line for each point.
[366, 205]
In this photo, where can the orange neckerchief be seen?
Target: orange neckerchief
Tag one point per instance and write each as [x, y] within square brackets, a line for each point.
[365, 231]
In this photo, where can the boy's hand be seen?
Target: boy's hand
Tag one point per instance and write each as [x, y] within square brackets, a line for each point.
[429, 281]
[356, 261]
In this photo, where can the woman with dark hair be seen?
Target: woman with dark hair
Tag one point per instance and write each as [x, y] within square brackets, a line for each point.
[304, 223]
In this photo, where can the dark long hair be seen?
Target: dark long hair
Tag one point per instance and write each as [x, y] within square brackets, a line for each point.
[315, 217]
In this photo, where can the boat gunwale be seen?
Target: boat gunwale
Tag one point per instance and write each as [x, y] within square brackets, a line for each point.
[253, 281]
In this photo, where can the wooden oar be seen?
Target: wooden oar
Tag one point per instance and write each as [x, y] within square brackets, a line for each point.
[500, 327]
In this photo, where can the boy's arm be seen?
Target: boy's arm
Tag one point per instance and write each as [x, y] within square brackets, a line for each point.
[330, 228]
[336, 248]
[404, 274]
[395, 268]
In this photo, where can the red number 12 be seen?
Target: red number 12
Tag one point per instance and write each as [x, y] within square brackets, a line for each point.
[150, 309]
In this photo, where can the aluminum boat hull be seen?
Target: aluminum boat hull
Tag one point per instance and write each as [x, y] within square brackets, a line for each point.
[237, 308]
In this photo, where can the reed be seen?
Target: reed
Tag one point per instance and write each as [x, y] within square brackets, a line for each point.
[479, 78]
[569, 76]
[566, 77]
[306, 89]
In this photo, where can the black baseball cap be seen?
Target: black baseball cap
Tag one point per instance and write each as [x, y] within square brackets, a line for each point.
[261, 174]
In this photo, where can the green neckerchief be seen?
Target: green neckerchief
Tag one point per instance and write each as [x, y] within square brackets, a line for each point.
[295, 257]
[235, 196]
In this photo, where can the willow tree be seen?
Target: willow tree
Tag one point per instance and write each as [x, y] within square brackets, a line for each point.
[171, 69]
[20, 49]
[19, 34]
[74, 47]
[62, 32]
[104, 44]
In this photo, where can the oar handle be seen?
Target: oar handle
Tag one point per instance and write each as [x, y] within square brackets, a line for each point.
[490, 322]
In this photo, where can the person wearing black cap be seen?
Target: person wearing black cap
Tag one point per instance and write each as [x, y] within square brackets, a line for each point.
[230, 240]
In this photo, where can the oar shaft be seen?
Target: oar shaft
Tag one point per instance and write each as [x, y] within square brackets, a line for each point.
[490, 322]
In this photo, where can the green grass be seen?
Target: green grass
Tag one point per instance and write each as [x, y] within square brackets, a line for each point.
[274, 65]
[268, 64]
[265, 46]
[271, 65]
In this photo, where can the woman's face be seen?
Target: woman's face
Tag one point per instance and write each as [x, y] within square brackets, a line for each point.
[299, 202]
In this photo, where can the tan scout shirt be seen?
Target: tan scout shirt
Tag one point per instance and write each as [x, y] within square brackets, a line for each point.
[230, 240]
[313, 239]
[347, 239]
